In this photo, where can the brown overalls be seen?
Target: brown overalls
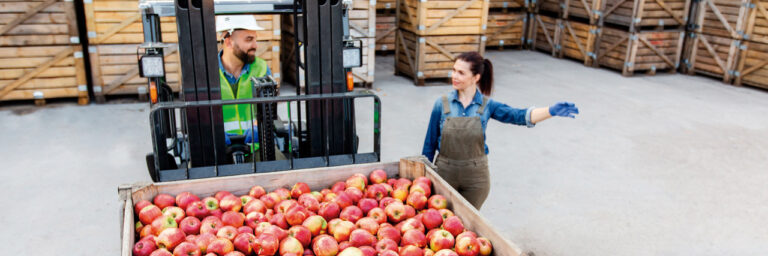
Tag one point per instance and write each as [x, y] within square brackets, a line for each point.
[461, 160]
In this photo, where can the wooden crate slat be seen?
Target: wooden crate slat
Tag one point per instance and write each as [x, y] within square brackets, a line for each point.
[577, 41]
[42, 72]
[41, 23]
[753, 65]
[640, 14]
[544, 33]
[385, 32]
[711, 55]
[722, 18]
[506, 29]
[757, 25]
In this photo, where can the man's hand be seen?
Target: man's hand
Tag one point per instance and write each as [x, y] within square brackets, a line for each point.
[564, 109]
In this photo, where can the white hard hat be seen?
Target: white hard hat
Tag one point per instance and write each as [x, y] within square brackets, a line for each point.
[232, 22]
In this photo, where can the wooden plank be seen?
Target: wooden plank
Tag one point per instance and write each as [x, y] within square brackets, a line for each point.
[25, 16]
[59, 56]
[443, 17]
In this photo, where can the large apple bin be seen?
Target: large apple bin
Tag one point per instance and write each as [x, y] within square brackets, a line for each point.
[317, 178]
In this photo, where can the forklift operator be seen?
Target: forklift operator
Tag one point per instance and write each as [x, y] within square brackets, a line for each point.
[238, 63]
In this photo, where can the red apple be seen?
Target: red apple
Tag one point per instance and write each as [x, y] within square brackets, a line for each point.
[143, 247]
[279, 220]
[388, 232]
[255, 205]
[285, 205]
[454, 225]
[388, 253]
[467, 246]
[228, 232]
[403, 183]
[266, 244]
[388, 188]
[302, 234]
[376, 191]
[175, 212]
[441, 240]
[384, 202]
[485, 246]
[410, 212]
[391, 181]
[357, 180]
[400, 194]
[338, 187]
[428, 252]
[431, 219]
[466, 234]
[185, 198]
[309, 202]
[234, 253]
[411, 250]
[360, 237]
[330, 197]
[283, 193]
[445, 252]
[245, 229]
[366, 204]
[368, 224]
[316, 224]
[270, 199]
[420, 187]
[308, 252]
[261, 228]
[351, 251]
[211, 203]
[221, 246]
[139, 226]
[164, 200]
[354, 193]
[230, 203]
[342, 230]
[254, 218]
[232, 218]
[203, 240]
[343, 199]
[395, 212]
[190, 225]
[190, 238]
[147, 231]
[414, 237]
[296, 215]
[368, 251]
[386, 244]
[221, 194]
[243, 243]
[277, 231]
[422, 179]
[445, 213]
[351, 213]
[245, 199]
[149, 213]
[437, 202]
[257, 191]
[163, 223]
[186, 249]
[378, 176]
[140, 205]
[417, 200]
[216, 213]
[291, 245]
[299, 189]
[210, 224]
[412, 223]
[325, 245]
[329, 210]
[170, 238]
[378, 214]
[161, 252]
[197, 209]
[344, 245]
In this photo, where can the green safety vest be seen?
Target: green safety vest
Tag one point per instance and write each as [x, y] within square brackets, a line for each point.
[238, 118]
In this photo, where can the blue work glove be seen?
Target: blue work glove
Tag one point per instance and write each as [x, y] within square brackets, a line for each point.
[227, 140]
[251, 136]
[564, 109]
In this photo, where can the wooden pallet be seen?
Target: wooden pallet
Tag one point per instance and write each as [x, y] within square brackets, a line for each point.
[584, 9]
[640, 15]
[431, 57]
[640, 51]
[40, 55]
[544, 34]
[576, 40]
[711, 55]
[385, 32]
[721, 18]
[506, 29]
[443, 17]
[753, 65]
[757, 26]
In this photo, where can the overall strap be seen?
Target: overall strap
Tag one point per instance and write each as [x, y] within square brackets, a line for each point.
[482, 106]
[446, 105]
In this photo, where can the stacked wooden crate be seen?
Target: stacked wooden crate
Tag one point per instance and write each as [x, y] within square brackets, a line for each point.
[432, 33]
[565, 29]
[752, 68]
[362, 26]
[386, 26]
[40, 53]
[506, 24]
[115, 32]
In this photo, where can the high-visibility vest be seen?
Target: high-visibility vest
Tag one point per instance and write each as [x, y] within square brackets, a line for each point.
[238, 118]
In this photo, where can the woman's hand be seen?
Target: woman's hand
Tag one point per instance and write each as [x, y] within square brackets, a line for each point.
[564, 109]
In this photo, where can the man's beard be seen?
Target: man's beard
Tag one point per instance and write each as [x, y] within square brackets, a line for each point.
[243, 55]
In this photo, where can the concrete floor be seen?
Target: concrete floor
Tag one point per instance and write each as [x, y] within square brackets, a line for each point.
[663, 165]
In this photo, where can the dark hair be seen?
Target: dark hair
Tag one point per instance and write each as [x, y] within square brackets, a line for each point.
[482, 66]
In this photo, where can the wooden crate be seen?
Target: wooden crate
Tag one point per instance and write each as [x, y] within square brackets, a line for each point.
[582, 9]
[364, 76]
[40, 53]
[317, 179]
[362, 19]
[711, 55]
[644, 14]
[506, 29]
[548, 7]
[544, 34]
[385, 32]
[507, 5]
[431, 57]
[757, 26]
[721, 18]
[576, 40]
[42, 72]
[640, 51]
[443, 17]
[753, 65]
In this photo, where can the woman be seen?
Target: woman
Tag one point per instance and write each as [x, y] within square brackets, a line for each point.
[457, 126]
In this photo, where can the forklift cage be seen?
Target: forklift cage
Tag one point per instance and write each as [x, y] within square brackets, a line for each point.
[217, 170]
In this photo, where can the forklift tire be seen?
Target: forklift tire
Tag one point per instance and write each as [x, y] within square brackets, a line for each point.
[154, 173]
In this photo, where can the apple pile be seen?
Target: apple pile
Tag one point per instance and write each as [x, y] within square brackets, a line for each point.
[389, 217]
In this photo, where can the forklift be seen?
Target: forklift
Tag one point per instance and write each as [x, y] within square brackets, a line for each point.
[319, 130]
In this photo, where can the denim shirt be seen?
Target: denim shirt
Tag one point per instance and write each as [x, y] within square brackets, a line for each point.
[230, 77]
[493, 109]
